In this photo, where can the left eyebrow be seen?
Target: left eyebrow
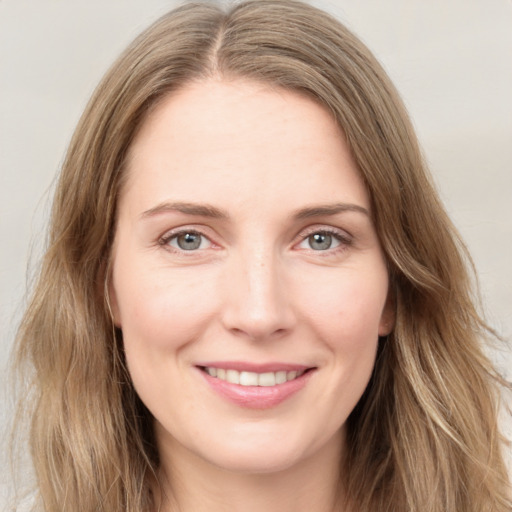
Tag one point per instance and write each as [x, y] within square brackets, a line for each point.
[329, 209]
[199, 210]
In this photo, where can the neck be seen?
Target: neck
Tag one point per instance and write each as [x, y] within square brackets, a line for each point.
[191, 484]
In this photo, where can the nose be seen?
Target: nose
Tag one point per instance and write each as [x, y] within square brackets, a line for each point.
[257, 303]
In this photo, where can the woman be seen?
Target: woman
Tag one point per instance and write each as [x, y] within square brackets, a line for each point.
[252, 296]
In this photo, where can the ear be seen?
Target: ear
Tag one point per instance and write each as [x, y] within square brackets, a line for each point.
[108, 292]
[112, 303]
[387, 319]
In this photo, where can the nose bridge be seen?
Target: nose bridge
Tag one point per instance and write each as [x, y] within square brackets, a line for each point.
[258, 303]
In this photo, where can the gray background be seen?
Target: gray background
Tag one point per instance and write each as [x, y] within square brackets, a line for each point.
[451, 60]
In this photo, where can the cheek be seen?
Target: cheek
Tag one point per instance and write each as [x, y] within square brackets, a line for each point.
[346, 315]
[348, 308]
[158, 309]
[160, 314]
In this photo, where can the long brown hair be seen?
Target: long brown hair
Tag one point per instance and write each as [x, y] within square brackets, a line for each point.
[424, 436]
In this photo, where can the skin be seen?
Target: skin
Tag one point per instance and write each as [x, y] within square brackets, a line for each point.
[256, 290]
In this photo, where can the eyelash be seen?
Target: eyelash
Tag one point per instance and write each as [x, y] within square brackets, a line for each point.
[344, 239]
[168, 237]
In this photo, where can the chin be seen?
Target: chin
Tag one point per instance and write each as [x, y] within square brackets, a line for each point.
[267, 454]
[256, 461]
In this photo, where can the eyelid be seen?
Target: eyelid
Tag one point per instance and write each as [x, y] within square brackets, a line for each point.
[164, 239]
[341, 235]
[322, 228]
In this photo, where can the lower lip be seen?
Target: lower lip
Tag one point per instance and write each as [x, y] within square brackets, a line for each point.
[257, 397]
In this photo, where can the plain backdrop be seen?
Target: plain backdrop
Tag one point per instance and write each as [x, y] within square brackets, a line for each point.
[450, 59]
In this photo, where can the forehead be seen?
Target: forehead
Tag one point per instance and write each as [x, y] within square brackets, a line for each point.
[240, 141]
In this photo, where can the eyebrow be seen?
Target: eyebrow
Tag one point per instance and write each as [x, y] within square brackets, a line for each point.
[329, 209]
[200, 210]
[206, 210]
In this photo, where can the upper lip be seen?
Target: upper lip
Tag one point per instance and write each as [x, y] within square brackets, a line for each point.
[243, 366]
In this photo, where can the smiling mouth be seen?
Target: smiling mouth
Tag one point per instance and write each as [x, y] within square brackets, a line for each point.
[246, 378]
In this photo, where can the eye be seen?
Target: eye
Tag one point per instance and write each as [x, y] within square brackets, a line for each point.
[187, 241]
[324, 240]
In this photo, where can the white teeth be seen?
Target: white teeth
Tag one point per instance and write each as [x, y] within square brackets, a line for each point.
[280, 377]
[253, 378]
[233, 376]
[267, 379]
[248, 379]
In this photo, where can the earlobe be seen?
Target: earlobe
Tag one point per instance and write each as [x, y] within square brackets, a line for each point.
[110, 295]
[387, 319]
[112, 304]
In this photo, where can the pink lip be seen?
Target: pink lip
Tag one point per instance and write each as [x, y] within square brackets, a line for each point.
[242, 366]
[257, 397]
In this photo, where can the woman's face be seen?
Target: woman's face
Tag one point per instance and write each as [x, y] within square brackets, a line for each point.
[248, 279]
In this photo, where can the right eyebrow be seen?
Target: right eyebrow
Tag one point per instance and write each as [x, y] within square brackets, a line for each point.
[329, 209]
[197, 209]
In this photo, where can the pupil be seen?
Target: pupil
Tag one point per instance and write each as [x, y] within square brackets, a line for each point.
[189, 241]
[320, 241]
